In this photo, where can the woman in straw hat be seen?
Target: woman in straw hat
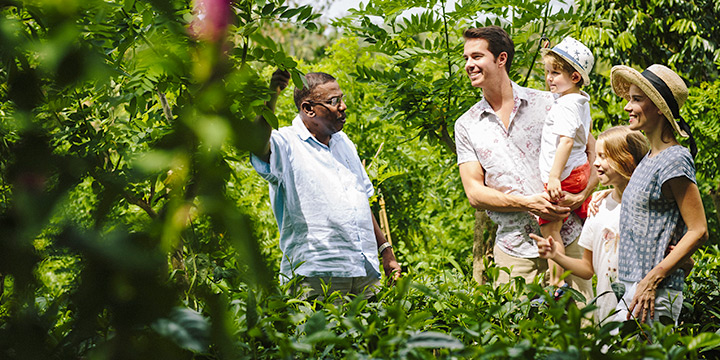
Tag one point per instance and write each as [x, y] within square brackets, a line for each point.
[661, 205]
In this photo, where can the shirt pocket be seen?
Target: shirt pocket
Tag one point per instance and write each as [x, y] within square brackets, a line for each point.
[639, 212]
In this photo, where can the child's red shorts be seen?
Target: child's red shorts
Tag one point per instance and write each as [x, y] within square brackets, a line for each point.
[575, 183]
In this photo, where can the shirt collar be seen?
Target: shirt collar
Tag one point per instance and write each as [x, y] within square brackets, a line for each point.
[520, 95]
[581, 97]
[303, 133]
[300, 128]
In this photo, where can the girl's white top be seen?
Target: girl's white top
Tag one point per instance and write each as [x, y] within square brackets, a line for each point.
[600, 235]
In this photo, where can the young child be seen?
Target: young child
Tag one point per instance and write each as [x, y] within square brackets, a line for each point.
[619, 150]
[563, 162]
[661, 205]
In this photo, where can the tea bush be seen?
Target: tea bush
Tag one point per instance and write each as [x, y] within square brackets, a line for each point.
[132, 225]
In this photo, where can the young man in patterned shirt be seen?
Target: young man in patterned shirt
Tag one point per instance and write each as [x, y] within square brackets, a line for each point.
[498, 145]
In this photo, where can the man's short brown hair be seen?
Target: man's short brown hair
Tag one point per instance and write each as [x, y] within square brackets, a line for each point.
[498, 41]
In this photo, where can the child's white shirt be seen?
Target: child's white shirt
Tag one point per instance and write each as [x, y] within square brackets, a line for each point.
[569, 116]
[600, 235]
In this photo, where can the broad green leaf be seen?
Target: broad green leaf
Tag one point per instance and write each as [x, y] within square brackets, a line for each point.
[251, 313]
[704, 342]
[270, 117]
[305, 13]
[290, 13]
[298, 79]
[433, 339]
[187, 328]
[268, 9]
[315, 323]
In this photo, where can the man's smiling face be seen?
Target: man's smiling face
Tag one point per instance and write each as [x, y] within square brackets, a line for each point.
[480, 64]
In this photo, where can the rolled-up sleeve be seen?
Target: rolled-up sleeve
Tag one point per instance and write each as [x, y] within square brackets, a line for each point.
[272, 170]
[463, 145]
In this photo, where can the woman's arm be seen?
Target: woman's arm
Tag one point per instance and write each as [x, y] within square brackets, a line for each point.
[687, 196]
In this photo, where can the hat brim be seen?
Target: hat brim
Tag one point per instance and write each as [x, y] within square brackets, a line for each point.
[578, 68]
[621, 77]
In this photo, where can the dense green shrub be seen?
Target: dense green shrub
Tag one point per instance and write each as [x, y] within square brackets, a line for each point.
[132, 226]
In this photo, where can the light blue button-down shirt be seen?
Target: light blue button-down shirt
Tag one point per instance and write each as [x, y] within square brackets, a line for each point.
[319, 196]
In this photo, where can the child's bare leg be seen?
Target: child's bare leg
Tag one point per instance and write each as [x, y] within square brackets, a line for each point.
[553, 229]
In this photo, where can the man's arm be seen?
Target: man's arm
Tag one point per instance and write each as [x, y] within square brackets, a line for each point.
[278, 82]
[485, 198]
[390, 264]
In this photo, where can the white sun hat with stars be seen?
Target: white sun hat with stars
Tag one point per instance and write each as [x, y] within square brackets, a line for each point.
[575, 53]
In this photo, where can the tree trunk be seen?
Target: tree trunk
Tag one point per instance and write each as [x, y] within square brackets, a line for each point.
[483, 243]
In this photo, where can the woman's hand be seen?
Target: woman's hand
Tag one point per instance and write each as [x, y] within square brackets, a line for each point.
[642, 306]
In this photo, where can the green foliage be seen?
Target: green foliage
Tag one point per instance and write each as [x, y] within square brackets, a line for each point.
[680, 34]
[132, 225]
[441, 314]
[118, 129]
[700, 313]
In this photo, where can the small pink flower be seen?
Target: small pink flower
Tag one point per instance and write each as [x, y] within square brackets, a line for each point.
[211, 19]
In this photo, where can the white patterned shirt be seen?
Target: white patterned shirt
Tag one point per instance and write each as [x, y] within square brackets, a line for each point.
[510, 158]
[319, 196]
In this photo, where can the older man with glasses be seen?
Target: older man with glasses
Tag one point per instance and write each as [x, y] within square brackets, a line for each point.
[319, 192]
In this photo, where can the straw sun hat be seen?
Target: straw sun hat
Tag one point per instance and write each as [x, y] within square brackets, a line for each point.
[576, 54]
[664, 87]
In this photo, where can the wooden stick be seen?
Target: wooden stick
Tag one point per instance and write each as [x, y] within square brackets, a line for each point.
[384, 224]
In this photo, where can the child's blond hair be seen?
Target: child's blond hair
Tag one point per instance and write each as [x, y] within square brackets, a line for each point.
[558, 63]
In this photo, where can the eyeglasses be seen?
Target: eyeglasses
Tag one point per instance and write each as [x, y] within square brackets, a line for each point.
[334, 101]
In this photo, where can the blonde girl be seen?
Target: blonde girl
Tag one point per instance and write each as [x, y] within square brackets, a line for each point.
[619, 150]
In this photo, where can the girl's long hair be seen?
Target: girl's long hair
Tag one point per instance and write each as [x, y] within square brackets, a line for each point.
[624, 149]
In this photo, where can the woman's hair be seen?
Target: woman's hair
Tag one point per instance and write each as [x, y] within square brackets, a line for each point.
[624, 149]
